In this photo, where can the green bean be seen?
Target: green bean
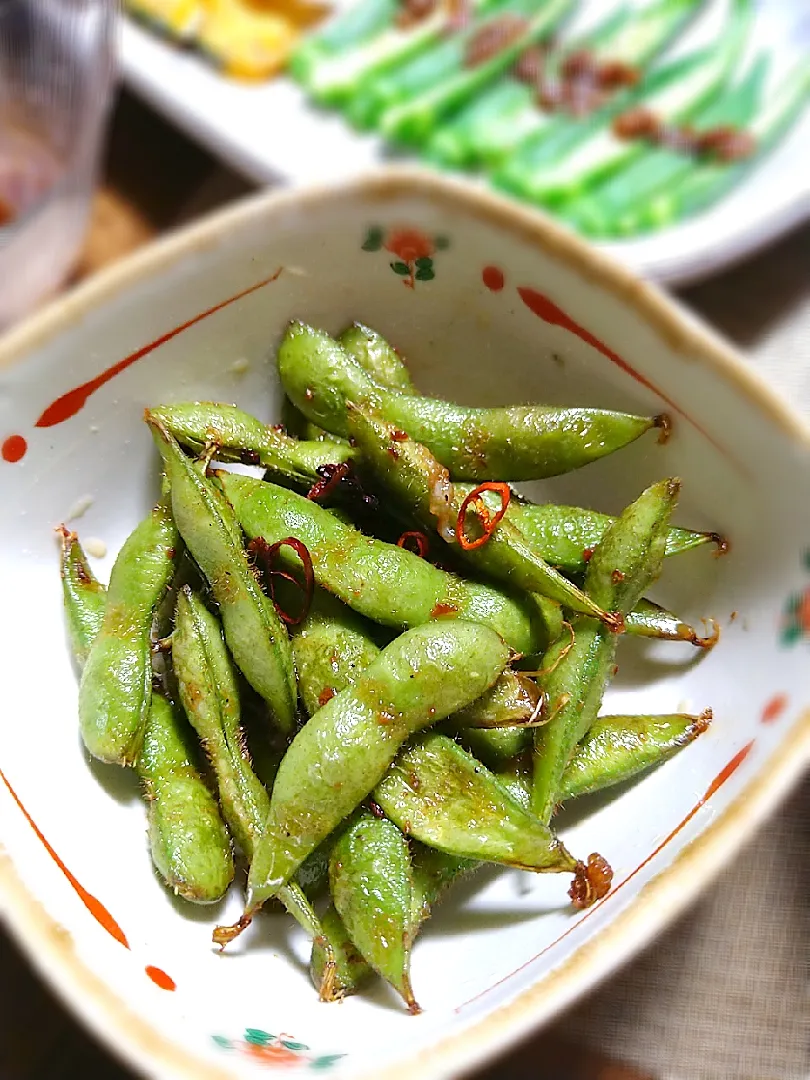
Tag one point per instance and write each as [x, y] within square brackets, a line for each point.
[616, 748]
[381, 581]
[116, 684]
[84, 596]
[445, 798]
[381, 360]
[254, 632]
[518, 443]
[210, 696]
[190, 846]
[409, 474]
[622, 566]
[238, 436]
[343, 752]
[371, 879]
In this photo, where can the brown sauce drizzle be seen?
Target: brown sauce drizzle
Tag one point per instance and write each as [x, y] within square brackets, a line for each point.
[582, 84]
[723, 143]
[492, 38]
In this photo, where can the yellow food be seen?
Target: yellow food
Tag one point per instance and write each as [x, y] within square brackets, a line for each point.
[248, 39]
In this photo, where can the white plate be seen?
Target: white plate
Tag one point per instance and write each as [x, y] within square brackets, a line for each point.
[272, 134]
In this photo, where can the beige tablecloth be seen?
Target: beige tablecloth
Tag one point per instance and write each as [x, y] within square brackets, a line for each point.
[725, 994]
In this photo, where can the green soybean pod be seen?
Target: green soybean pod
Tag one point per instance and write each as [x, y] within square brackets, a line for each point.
[565, 536]
[116, 685]
[623, 565]
[237, 436]
[350, 967]
[652, 621]
[617, 748]
[493, 746]
[84, 597]
[381, 360]
[190, 846]
[410, 475]
[331, 646]
[517, 443]
[384, 582]
[343, 752]
[371, 880]
[447, 799]
[210, 696]
[254, 632]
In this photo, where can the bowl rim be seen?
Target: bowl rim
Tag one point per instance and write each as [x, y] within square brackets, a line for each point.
[49, 947]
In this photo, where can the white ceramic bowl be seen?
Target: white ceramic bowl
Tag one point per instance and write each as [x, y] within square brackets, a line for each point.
[516, 310]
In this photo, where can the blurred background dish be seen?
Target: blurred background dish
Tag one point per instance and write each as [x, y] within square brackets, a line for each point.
[536, 98]
[56, 62]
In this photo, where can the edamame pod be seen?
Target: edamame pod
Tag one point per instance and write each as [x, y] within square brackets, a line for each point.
[445, 798]
[493, 746]
[343, 752]
[565, 536]
[384, 582]
[210, 696]
[371, 880]
[350, 967]
[617, 748]
[116, 685]
[238, 436]
[381, 360]
[408, 473]
[254, 632]
[517, 443]
[84, 596]
[652, 621]
[623, 565]
[190, 846]
[332, 647]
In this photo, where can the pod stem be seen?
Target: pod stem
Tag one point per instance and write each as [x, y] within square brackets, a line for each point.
[592, 881]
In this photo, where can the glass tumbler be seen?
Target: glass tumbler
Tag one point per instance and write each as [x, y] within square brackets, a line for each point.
[57, 59]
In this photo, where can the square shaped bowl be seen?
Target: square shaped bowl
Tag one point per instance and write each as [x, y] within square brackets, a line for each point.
[491, 305]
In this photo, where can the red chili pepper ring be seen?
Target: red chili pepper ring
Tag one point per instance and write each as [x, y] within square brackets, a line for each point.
[267, 555]
[488, 522]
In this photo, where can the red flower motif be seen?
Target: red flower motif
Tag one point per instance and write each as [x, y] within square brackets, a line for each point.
[803, 611]
[409, 245]
[271, 1054]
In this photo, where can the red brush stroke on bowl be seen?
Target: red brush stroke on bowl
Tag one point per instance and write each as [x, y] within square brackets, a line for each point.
[539, 304]
[774, 709]
[13, 448]
[160, 978]
[70, 403]
[94, 906]
[727, 771]
[492, 277]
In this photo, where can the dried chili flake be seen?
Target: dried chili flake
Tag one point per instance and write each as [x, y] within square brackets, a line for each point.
[331, 476]
[488, 522]
[266, 554]
[415, 541]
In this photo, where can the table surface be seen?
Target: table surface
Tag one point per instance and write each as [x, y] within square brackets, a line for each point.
[725, 993]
